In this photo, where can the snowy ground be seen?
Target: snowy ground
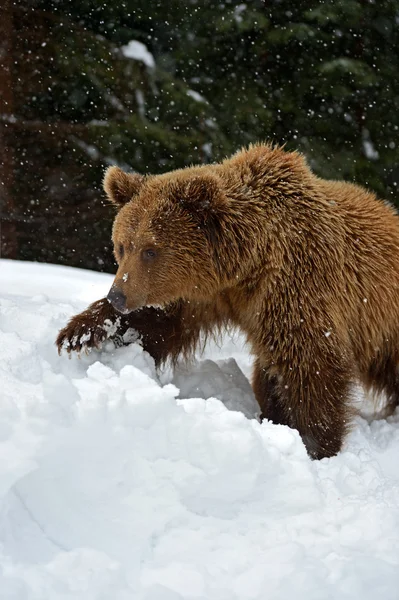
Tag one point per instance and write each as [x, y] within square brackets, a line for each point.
[113, 488]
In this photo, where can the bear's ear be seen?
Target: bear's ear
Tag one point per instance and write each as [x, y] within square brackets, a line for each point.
[202, 194]
[120, 187]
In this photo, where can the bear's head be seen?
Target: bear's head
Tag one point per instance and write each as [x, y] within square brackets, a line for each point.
[165, 236]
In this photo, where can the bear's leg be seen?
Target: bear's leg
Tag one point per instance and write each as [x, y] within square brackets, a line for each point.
[164, 334]
[267, 395]
[383, 376]
[315, 402]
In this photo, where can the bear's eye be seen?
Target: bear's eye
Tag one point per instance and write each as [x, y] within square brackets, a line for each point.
[149, 254]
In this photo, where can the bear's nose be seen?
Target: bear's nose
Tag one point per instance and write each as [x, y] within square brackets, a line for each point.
[117, 298]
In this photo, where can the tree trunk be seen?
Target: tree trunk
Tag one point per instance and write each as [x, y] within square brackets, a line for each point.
[9, 244]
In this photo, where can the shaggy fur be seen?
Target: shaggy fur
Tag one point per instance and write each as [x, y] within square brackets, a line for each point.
[307, 268]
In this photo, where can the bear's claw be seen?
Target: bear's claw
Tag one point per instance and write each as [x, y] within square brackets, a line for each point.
[88, 329]
[79, 337]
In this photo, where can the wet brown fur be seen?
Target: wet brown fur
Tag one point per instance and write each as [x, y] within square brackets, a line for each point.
[307, 268]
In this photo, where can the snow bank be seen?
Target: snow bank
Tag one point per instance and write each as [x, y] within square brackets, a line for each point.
[112, 485]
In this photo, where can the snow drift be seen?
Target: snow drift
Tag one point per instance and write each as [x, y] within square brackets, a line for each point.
[117, 482]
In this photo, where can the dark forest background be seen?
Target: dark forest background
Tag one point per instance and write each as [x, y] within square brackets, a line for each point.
[156, 85]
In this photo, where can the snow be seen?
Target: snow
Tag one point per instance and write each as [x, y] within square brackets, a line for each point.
[114, 485]
[368, 147]
[196, 96]
[138, 51]
[238, 10]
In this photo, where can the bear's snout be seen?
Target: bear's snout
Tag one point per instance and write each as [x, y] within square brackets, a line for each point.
[117, 298]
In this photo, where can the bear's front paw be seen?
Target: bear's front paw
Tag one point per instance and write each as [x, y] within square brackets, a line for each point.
[80, 335]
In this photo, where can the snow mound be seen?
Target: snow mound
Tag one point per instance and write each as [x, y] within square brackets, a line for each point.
[117, 482]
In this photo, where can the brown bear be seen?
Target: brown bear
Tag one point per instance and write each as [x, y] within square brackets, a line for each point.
[308, 269]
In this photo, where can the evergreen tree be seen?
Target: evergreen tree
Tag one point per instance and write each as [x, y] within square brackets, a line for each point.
[155, 85]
